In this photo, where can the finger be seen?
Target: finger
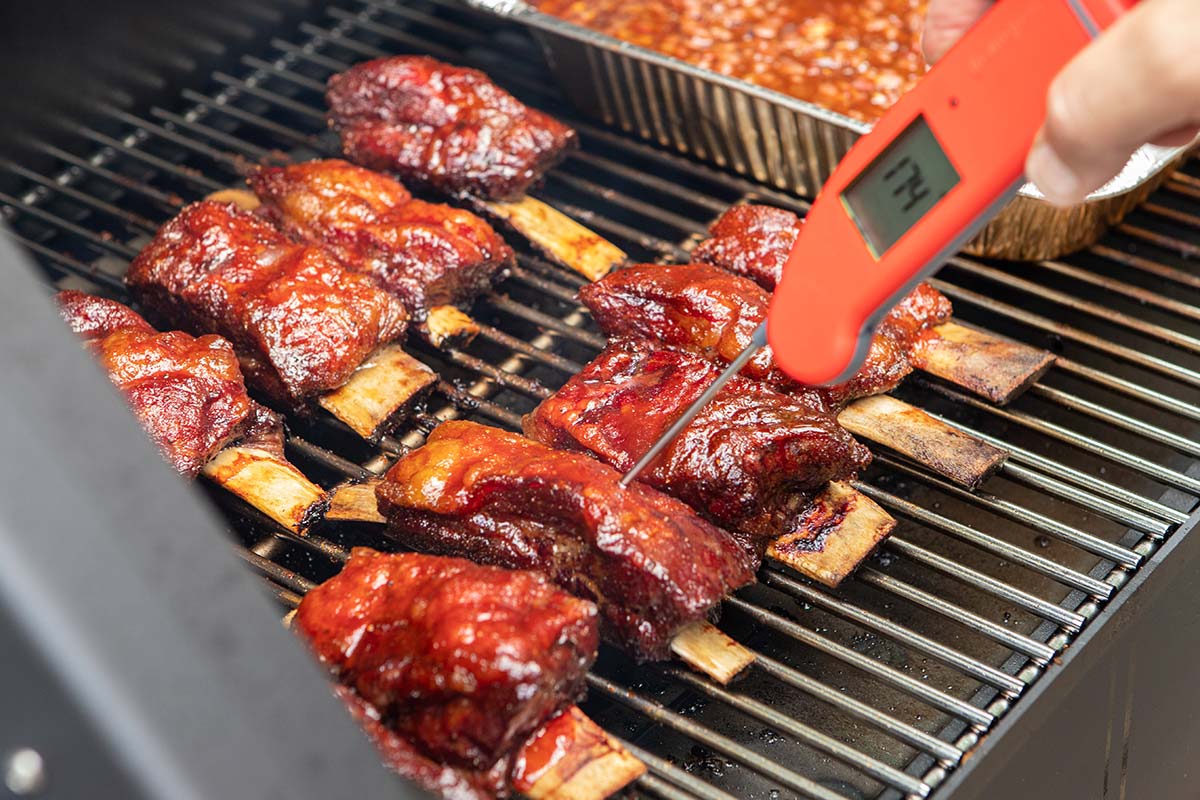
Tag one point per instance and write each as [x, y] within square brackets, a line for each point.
[1177, 138]
[1137, 82]
[946, 22]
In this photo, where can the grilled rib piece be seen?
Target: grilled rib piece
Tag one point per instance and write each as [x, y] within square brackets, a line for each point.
[443, 127]
[300, 322]
[495, 497]
[708, 311]
[400, 756]
[749, 462]
[751, 241]
[187, 392]
[463, 660]
[424, 253]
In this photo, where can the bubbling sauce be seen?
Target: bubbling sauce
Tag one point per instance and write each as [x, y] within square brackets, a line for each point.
[855, 57]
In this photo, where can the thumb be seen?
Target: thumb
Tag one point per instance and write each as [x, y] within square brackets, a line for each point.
[1138, 82]
[946, 22]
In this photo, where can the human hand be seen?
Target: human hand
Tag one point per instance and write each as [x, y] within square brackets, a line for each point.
[1138, 82]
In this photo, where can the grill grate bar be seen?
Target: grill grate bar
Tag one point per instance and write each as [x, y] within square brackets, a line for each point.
[1129, 389]
[250, 150]
[969, 619]
[1069, 332]
[194, 178]
[70, 265]
[542, 319]
[1095, 310]
[876, 769]
[165, 201]
[1047, 467]
[277, 574]
[673, 774]
[1085, 499]
[887, 674]
[1143, 429]
[678, 722]
[983, 541]
[1045, 610]
[99, 241]
[1147, 525]
[909, 638]
[270, 96]
[1114, 454]
[276, 69]
[1136, 293]
[1146, 265]
[130, 219]
[906, 733]
[227, 161]
[220, 105]
[1025, 516]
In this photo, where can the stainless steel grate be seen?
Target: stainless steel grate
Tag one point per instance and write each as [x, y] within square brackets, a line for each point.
[875, 690]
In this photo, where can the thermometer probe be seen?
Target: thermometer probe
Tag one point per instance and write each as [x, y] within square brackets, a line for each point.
[931, 173]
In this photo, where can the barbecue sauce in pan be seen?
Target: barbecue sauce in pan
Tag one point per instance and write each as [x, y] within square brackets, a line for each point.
[855, 57]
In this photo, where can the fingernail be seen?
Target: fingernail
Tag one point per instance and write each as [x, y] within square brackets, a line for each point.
[1052, 176]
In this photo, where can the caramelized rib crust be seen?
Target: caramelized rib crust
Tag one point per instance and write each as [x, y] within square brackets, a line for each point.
[187, 392]
[646, 559]
[443, 127]
[708, 311]
[747, 462]
[399, 755]
[464, 660]
[424, 253]
[300, 322]
[751, 241]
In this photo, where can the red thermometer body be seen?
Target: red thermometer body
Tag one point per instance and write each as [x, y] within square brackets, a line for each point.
[938, 165]
[933, 170]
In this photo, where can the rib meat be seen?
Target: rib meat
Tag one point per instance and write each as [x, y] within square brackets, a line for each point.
[646, 559]
[711, 312]
[751, 241]
[300, 322]
[399, 755]
[187, 392]
[443, 127]
[747, 462]
[466, 661]
[424, 253]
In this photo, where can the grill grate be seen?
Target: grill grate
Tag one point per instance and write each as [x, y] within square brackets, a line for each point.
[877, 689]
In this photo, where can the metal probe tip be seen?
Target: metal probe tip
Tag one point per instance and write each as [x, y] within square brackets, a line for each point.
[757, 342]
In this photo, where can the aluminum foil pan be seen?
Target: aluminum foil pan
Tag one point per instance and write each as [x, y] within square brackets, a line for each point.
[787, 143]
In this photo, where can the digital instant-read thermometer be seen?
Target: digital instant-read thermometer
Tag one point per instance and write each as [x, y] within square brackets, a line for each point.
[931, 173]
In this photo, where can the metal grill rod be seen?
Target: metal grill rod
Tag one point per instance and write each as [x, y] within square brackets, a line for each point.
[1146, 467]
[883, 672]
[760, 711]
[868, 620]
[658, 713]
[1069, 332]
[986, 542]
[1007, 508]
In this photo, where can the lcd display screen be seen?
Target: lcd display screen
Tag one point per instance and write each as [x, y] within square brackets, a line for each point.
[900, 186]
